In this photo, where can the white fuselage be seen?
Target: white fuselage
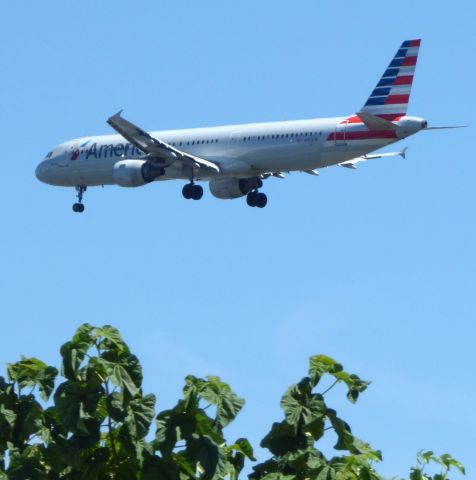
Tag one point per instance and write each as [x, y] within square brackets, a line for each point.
[240, 151]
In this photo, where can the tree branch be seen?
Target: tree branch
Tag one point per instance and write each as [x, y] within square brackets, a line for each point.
[332, 386]
[109, 425]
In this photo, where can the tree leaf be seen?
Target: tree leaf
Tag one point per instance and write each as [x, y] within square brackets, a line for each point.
[31, 372]
[283, 438]
[354, 384]
[208, 457]
[26, 464]
[121, 378]
[7, 417]
[77, 404]
[140, 413]
[109, 339]
[219, 393]
[74, 351]
[345, 439]
[448, 461]
[304, 409]
[161, 468]
[321, 364]
[244, 446]
[326, 473]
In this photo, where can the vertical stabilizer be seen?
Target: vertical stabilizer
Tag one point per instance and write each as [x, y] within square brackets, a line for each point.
[392, 93]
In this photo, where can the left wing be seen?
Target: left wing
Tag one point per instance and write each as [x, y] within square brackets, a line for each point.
[353, 163]
[154, 148]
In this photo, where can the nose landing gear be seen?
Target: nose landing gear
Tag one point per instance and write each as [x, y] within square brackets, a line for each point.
[79, 206]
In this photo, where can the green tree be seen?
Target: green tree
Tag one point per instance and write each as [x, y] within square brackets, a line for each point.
[94, 422]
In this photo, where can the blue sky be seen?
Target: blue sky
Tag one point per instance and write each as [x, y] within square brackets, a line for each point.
[375, 267]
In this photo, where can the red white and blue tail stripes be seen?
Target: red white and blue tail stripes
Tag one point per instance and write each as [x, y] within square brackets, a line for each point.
[390, 96]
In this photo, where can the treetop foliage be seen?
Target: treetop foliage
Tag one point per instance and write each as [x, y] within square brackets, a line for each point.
[94, 422]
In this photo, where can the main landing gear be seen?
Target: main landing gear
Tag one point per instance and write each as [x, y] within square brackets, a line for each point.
[79, 207]
[192, 191]
[256, 199]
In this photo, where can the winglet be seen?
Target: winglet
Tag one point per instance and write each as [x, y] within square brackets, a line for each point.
[403, 152]
[116, 115]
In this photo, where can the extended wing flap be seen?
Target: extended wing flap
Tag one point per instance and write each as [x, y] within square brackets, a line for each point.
[152, 146]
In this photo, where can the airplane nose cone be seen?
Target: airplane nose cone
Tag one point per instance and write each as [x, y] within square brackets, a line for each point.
[40, 172]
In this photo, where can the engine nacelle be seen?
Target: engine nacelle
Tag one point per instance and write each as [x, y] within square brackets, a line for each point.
[135, 173]
[228, 188]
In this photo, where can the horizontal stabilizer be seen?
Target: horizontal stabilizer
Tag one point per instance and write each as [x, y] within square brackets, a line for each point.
[372, 122]
[353, 163]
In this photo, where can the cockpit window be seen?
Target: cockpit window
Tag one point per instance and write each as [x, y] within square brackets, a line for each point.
[49, 155]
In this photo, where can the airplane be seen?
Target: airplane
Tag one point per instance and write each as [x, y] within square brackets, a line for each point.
[235, 159]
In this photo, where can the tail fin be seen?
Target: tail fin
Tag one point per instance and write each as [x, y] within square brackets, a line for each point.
[392, 93]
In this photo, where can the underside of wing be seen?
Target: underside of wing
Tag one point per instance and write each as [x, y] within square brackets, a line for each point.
[154, 148]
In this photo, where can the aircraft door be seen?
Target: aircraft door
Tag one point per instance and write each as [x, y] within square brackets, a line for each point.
[234, 141]
[340, 134]
[67, 155]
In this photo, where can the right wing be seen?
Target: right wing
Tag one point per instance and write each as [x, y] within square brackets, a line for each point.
[153, 147]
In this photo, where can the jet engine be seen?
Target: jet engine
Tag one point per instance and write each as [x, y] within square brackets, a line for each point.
[228, 188]
[135, 173]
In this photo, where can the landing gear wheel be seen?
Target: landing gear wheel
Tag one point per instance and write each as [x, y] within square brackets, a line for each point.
[256, 199]
[187, 191]
[78, 207]
[197, 192]
[192, 191]
[262, 200]
[251, 199]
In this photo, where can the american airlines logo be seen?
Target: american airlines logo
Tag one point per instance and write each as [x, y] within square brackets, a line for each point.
[110, 151]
